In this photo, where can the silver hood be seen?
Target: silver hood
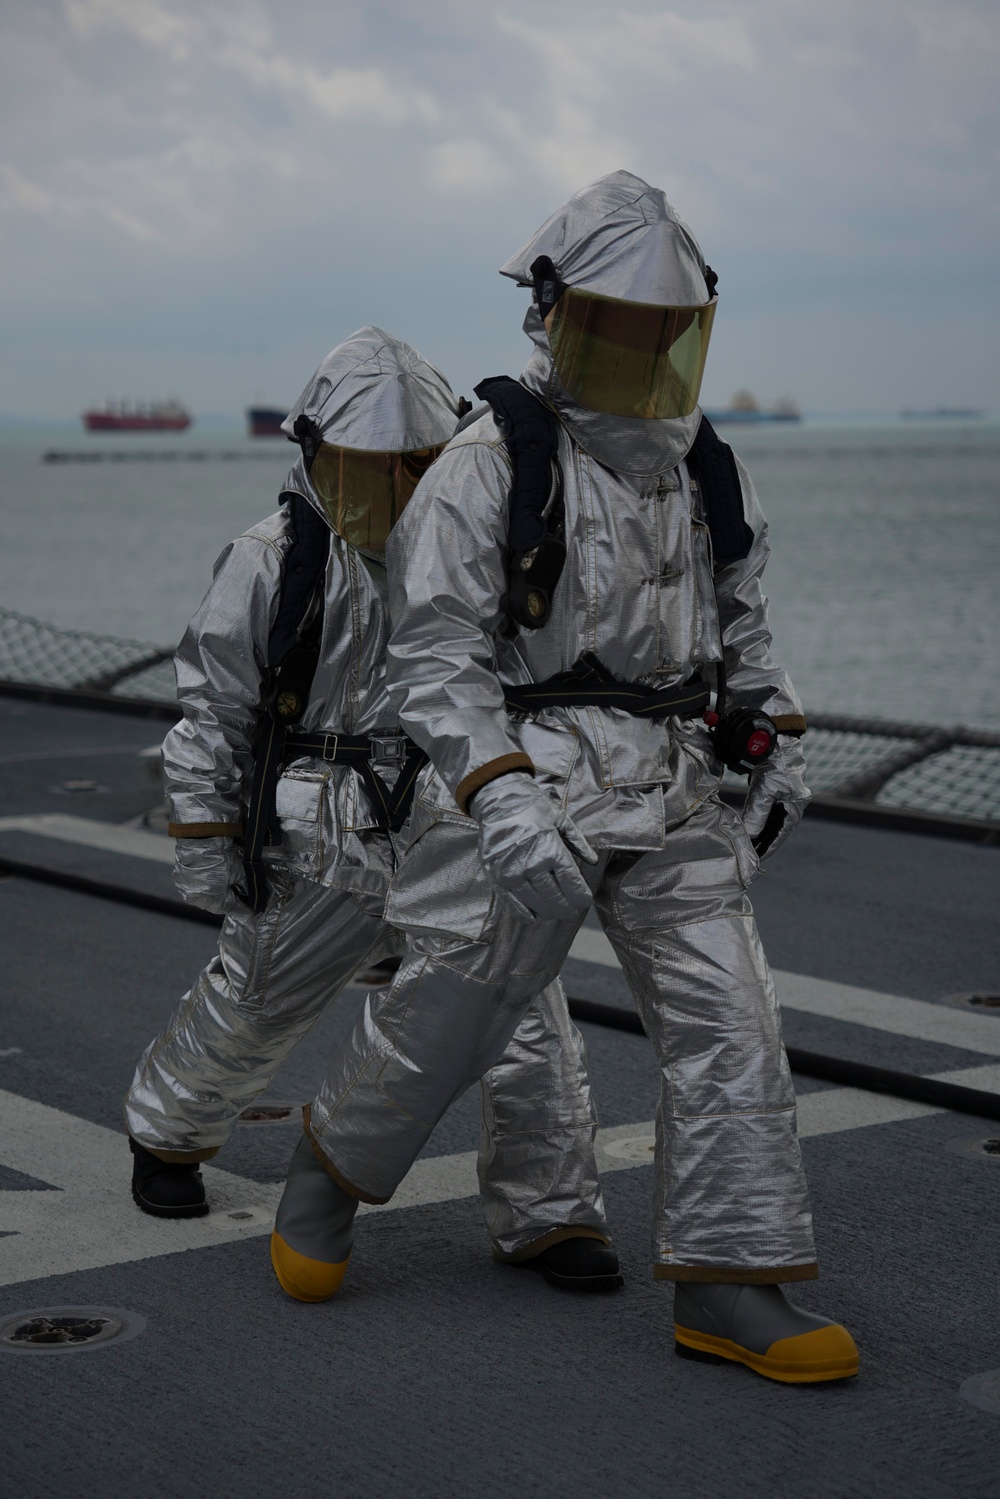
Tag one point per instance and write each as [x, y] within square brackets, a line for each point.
[374, 392]
[621, 238]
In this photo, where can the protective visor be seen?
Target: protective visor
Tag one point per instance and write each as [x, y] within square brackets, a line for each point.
[629, 358]
[365, 493]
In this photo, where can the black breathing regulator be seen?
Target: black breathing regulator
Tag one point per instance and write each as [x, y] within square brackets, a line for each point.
[743, 738]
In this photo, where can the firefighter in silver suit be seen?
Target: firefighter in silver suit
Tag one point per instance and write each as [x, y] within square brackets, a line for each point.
[376, 415]
[527, 814]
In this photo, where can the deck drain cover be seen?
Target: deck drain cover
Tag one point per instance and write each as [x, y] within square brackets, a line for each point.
[272, 1113]
[983, 1390]
[984, 1148]
[67, 1329]
[980, 1000]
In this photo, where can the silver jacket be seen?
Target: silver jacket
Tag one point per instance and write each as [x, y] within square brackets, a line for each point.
[637, 589]
[373, 392]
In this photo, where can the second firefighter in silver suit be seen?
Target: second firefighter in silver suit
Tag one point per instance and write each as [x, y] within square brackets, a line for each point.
[522, 818]
[277, 970]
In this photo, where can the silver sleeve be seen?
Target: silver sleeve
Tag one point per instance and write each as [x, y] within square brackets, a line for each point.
[754, 678]
[220, 664]
[447, 594]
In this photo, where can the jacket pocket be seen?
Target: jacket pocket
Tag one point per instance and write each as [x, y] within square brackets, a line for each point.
[442, 886]
[299, 803]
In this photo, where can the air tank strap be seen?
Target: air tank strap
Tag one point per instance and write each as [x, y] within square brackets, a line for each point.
[713, 464]
[589, 684]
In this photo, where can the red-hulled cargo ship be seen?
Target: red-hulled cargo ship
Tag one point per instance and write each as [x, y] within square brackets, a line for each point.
[158, 416]
[265, 421]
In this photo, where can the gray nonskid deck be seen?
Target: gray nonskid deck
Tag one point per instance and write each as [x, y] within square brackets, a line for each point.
[436, 1372]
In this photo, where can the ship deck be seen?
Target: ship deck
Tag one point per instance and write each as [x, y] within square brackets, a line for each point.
[436, 1372]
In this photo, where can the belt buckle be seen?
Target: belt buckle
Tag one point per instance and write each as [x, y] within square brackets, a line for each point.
[326, 746]
[388, 749]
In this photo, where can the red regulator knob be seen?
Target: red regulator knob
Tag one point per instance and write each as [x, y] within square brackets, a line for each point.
[758, 743]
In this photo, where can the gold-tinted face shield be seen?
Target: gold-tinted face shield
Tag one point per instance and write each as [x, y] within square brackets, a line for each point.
[365, 493]
[629, 358]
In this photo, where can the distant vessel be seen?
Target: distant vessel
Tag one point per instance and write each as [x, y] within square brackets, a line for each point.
[156, 416]
[943, 413]
[265, 421]
[744, 408]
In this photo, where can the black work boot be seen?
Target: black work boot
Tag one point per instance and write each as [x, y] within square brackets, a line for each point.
[166, 1189]
[577, 1265]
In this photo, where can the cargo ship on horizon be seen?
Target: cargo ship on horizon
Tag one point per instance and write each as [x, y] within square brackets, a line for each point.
[265, 421]
[152, 416]
[744, 408]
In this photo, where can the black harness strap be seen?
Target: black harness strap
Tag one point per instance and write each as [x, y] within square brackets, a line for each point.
[292, 656]
[536, 527]
[588, 684]
[392, 807]
[713, 464]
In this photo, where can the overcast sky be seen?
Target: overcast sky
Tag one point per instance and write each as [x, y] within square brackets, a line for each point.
[200, 197]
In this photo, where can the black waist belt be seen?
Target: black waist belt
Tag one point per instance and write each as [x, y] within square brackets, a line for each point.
[589, 684]
[278, 745]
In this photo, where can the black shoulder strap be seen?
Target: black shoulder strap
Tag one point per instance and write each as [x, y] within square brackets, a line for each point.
[304, 567]
[292, 656]
[714, 466]
[537, 543]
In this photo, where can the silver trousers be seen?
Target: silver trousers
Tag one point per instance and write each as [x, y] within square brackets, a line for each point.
[276, 973]
[730, 1197]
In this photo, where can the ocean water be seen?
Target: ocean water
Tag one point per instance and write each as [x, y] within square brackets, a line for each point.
[883, 581]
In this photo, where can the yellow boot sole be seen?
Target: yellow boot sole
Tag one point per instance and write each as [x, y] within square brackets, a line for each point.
[824, 1353]
[303, 1278]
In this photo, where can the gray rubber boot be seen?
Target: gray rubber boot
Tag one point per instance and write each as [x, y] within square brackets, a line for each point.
[313, 1229]
[757, 1326]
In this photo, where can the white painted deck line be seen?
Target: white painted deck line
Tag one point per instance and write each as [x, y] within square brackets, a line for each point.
[91, 1222]
[899, 1016]
[109, 836]
[30, 756]
[915, 1018]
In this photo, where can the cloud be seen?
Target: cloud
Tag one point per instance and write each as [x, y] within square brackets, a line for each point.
[465, 166]
[231, 174]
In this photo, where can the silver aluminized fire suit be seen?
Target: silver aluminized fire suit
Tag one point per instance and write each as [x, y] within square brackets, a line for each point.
[275, 973]
[674, 862]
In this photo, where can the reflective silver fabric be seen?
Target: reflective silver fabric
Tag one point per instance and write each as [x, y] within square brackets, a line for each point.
[276, 972]
[273, 976]
[637, 589]
[375, 392]
[527, 848]
[207, 873]
[730, 1194]
[781, 780]
[621, 238]
[372, 390]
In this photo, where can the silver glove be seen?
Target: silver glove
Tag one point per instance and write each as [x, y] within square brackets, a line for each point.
[525, 844]
[777, 798]
[205, 872]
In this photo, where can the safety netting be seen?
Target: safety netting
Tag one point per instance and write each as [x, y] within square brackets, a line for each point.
[44, 655]
[947, 772]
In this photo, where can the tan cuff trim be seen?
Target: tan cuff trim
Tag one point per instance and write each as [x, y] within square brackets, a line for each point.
[489, 772]
[204, 830]
[554, 1236]
[181, 1157]
[721, 1275]
[790, 723]
[328, 1165]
